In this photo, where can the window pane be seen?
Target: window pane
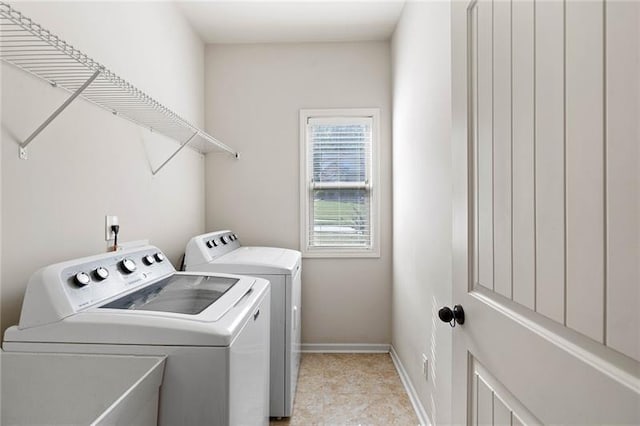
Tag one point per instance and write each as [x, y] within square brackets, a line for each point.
[340, 174]
[341, 218]
[340, 152]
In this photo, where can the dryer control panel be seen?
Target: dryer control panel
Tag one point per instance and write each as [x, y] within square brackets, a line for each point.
[205, 248]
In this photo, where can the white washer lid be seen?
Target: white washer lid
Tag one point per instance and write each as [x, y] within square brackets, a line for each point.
[258, 260]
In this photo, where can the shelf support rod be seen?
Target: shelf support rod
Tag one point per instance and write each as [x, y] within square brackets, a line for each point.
[23, 145]
[185, 143]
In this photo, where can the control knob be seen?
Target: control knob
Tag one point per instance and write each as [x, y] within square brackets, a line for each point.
[223, 239]
[128, 265]
[210, 244]
[82, 278]
[159, 257]
[149, 260]
[101, 273]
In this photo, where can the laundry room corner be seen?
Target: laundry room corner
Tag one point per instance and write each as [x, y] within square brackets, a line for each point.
[254, 94]
[89, 163]
[301, 212]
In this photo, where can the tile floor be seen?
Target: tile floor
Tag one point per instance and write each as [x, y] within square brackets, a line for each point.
[349, 389]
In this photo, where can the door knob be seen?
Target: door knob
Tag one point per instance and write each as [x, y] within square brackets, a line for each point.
[452, 316]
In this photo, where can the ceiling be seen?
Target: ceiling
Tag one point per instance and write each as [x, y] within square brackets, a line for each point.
[268, 21]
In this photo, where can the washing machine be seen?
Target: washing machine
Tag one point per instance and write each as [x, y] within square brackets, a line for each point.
[214, 329]
[221, 251]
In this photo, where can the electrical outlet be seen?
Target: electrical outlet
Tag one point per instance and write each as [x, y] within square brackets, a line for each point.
[108, 233]
[425, 367]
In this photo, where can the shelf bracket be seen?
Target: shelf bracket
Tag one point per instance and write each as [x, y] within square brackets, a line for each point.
[185, 143]
[23, 146]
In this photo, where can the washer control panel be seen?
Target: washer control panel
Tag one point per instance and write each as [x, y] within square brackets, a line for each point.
[90, 282]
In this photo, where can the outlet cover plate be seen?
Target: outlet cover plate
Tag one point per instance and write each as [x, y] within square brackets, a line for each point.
[108, 233]
[425, 367]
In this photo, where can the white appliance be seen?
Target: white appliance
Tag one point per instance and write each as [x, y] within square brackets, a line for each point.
[213, 328]
[221, 252]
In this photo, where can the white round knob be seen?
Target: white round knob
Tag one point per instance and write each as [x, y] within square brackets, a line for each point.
[128, 265]
[101, 273]
[82, 279]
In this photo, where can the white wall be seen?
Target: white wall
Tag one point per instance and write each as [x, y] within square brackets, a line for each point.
[1, 204]
[89, 163]
[421, 55]
[253, 95]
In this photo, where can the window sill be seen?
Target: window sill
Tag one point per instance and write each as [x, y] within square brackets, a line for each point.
[331, 253]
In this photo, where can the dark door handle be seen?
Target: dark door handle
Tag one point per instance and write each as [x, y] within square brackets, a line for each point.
[453, 317]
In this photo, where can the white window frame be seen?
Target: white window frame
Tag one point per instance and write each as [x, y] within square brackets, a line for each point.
[305, 184]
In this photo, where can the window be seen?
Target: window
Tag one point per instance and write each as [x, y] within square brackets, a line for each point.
[339, 182]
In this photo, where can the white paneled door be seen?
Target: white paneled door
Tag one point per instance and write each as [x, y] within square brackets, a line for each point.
[546, 156]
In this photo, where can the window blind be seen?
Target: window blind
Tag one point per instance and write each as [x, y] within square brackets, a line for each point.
[340, 182]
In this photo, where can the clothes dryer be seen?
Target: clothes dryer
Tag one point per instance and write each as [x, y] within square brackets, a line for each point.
[221, 251]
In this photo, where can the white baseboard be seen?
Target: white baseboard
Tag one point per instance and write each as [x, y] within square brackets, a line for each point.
[345, 347]
[411, 391]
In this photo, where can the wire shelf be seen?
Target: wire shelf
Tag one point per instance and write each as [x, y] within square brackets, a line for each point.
[28, 46]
